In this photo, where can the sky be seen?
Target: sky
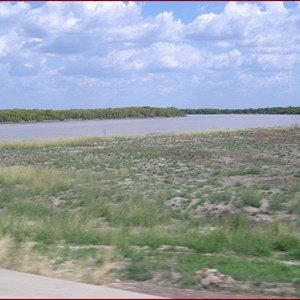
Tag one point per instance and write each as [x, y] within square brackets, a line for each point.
[63, 55]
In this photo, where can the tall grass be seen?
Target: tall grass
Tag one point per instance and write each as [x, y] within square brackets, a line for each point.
[39, 180]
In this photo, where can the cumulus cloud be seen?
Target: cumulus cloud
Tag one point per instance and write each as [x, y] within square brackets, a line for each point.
[10, 15]
[113, 44]
[164, 27]
[162, 56]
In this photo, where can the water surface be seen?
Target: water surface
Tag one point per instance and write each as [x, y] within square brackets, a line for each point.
[191, 123]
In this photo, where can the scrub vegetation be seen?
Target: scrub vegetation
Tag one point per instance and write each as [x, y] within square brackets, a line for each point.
[156, 208]
[292, 110]
[39, 115]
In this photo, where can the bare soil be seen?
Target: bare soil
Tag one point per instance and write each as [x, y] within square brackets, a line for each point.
[176, 293]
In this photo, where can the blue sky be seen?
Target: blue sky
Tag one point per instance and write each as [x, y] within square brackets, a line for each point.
[61, 55]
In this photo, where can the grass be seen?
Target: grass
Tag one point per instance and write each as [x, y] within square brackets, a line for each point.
[293, 254]
[95, 209]
[36, 179]
[241, 269]
[138, 271]
[250, 198]
[244, 171]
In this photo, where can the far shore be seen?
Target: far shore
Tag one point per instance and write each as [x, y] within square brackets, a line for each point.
[82, 120]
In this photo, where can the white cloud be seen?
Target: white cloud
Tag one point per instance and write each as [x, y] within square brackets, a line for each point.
[273, 81]
[8, 12]
[163, 27]
[246, 24]
[112, 11]
[233, 23]
[275, 8]
[229, 60]
[51, 18]
[10, 42]
[173, 56]
[100, 45]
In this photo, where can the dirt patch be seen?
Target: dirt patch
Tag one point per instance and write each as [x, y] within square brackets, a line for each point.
[226, 159]
[219, 210]
[176, 249]
[212, 277]
[246, 180]
[176, 293]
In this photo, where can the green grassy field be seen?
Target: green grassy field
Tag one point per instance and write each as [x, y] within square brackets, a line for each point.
[156, 208]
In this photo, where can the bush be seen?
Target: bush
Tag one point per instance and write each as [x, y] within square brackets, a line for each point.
[293, 254]
[285, 243]
[250, 198]
[250, 243]
[137, 271]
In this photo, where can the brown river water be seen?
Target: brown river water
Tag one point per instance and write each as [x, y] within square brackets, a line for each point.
[131, 127]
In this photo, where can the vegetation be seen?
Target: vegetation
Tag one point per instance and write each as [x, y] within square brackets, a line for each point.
[269, 110]
[37, 115]
[155, 208]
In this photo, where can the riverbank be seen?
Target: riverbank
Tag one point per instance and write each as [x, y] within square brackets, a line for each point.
[156, 209]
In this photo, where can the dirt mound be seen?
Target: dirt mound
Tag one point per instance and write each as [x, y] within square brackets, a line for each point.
[212, 278]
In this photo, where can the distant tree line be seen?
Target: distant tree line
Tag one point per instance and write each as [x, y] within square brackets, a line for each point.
[294, 110]
[37, 115]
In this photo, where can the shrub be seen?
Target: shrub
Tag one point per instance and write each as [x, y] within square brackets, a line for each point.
[293, 254]
[137, 271]
[285, 243]
[250, 198]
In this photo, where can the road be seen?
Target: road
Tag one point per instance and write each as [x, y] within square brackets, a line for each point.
[22, 285]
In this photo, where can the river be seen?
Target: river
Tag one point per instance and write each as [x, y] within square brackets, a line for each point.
[121, 127]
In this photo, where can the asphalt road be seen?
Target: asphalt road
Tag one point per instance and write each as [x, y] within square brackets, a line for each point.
[22, 285]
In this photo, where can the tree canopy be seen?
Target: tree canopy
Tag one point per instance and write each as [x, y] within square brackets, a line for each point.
[37, 115]
[268, 110]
